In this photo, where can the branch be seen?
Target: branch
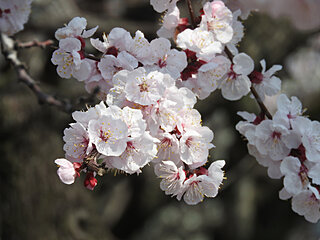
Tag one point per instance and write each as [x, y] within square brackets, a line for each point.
[34, 43]
[263, 107]
[11, 55]
[193, 19]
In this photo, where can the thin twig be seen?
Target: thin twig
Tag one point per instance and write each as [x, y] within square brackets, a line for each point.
[11, 55]
[193, 19]
[263, 107]
[34, 43]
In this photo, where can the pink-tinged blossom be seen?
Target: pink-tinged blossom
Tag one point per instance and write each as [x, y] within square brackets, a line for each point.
[218, 19]
[146, 88]
[109, 135]
[200, 41]
[264, 160]
[275, 140]
[295, 175]
[117, 40]
[170, 22]
[92, 113]
[307, 204]
[209, 75]
[13, 15]
[205, 183]
[310, 137]
[237, 33]
[168, 148]
[162, 5]
[70, 60]
[166, 112]
[237, 84]
[76, 141]
[167, 60]
[66, 170]
[314, 173]
[172, 178]
[140, 48]
[110, 65]
[139, 152]
[194, 146]
[264, 82]
[75, 28]
[288, 110]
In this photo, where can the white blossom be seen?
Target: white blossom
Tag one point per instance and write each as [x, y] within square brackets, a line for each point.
[218, 19]
[200, 41]
[13, 15]
[265, 83]
[237, 84]
[66, 171]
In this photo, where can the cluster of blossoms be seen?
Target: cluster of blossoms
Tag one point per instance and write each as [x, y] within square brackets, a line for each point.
[289, 146]
[150, 90]
[13, 15]
[149, 119]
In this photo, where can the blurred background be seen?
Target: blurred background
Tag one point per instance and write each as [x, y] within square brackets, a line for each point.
[36, 205]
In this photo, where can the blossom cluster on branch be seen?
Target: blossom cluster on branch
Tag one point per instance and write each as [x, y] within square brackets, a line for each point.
[148, 90]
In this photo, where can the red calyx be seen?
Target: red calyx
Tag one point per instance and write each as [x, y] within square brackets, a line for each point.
[193, 65]
[259, 119]
[256, 77]
[112, 51]
[83, 43]
[77, 168]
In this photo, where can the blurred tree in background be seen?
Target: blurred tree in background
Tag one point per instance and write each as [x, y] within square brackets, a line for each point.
[36, 205]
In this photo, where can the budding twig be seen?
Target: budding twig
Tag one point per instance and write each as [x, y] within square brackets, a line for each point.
[11, 55]
[34, 43]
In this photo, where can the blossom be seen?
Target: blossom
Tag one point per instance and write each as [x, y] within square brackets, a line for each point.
[110, 65]
[217, 19]
[109, 135]
[310, 137]
[195, 145]
[69, 60]
[200, 41]
[66, 170]
[75, 28]
[76, 140]
[13, 15]
[168, 60]
[139, 152]
[172, 178]
[264, 82]
[288, 110]
[296, 175]
[275, 140]
[236, 83]
[307, 204]
[170, 21]
[237, 27]
[204, 183]
[162, 5]
[146, 88]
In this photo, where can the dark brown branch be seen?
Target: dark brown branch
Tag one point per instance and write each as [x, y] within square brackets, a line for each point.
[11, 55]
[263, 107]
[34, 43]
[192, 17]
